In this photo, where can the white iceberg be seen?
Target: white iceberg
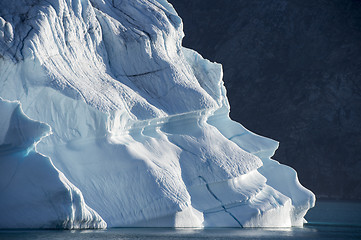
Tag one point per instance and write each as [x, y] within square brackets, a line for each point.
[33, 192]
[139, 125]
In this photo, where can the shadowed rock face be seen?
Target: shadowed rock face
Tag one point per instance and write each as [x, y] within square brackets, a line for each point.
[292, 70]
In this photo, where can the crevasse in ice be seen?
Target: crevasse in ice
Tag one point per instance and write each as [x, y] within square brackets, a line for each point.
[140, 133]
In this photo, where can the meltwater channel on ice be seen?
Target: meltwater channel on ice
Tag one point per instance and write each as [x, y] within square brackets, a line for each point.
[107, 121]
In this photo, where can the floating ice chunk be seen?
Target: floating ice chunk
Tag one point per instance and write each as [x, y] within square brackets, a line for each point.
[140, 126]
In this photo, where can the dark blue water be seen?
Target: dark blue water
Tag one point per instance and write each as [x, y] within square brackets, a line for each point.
[329, 220]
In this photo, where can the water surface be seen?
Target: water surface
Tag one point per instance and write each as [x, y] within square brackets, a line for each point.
[328, 220]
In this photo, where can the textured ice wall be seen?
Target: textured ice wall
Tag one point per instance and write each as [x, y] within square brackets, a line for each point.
[33, 192]
[140, 124]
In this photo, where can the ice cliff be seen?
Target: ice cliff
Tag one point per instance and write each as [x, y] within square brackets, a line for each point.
[33, 192]
[140, 133]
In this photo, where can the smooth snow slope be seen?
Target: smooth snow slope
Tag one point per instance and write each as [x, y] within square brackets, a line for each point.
[140, 124]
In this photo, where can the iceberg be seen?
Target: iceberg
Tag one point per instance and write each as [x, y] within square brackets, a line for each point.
[33, 192]
[107, 121]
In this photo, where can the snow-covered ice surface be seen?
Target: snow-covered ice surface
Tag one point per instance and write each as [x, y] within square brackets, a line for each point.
[140, 128]
[33, 192]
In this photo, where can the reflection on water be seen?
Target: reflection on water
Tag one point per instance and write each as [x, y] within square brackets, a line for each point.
[335, 213]
[308, 232]
[151, 233]
[178, 234]
[339, 221]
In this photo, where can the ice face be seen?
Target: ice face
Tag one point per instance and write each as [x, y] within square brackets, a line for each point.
[139, 124]
[33, 192]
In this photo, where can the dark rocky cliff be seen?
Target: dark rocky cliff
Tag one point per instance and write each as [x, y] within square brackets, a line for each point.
[292, 70]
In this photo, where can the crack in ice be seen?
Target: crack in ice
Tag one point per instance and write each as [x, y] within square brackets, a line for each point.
[222, 205]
